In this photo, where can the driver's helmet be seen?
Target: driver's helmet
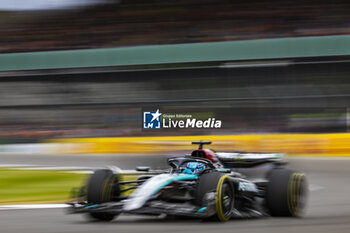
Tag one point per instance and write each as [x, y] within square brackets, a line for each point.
[193, 168]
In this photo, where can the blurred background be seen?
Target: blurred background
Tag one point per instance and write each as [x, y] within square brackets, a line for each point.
[75, 77]
[277, 69]
[82, 24]
[305, 93]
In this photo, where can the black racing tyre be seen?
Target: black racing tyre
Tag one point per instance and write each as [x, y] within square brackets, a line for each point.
[224, 194]
[206, 183]
[103, 186]
[286, 193]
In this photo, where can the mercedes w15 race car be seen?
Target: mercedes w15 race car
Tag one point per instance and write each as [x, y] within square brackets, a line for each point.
[205, 184]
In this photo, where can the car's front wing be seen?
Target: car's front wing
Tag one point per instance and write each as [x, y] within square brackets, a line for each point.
[153, 208]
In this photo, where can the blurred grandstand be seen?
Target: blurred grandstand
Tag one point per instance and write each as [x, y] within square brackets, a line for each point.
[303, 94]
[145, 22]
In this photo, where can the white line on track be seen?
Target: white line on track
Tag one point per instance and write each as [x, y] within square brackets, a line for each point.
[16, 165]
[56, 168]
[33, 206]
[81, 172]
[69, 169]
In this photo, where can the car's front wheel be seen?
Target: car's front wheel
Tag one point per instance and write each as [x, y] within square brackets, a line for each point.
[221, 185]
[102, 187]
[224, 199]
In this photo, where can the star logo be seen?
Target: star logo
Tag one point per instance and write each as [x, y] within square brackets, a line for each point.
[156, 115]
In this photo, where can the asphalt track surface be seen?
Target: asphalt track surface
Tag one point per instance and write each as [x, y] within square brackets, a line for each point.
[328, 208]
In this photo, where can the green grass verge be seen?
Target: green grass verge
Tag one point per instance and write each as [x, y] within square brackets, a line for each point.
[33, 186]
[30, 186]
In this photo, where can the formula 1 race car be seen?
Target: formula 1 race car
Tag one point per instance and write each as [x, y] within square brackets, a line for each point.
[204, 184]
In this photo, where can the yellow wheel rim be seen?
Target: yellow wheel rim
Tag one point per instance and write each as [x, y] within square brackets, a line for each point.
[219, 209]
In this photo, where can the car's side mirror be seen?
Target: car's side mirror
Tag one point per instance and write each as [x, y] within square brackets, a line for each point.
[143, 169]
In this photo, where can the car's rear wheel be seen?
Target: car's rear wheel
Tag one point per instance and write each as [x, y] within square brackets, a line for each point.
[286, 193]
[103, 186]
[222, 186]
